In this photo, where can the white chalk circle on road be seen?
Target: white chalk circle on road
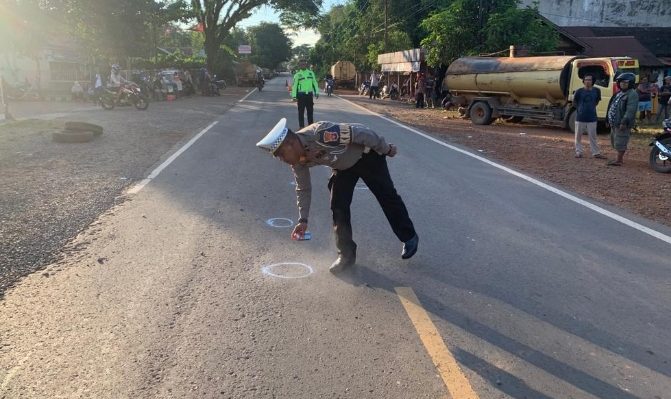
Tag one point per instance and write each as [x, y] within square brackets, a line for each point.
[280, 223]
[287, 270]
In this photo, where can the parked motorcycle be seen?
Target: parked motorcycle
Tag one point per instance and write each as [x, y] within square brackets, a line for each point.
[363, 89]
[660, 153]
[393, 93]
[131, 94]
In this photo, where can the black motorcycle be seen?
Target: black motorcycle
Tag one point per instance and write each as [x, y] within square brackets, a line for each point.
[329, 87]
[660, 153]
[260, 83]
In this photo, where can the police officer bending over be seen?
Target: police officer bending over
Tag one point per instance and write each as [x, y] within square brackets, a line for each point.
[353, 151]
[304, 87]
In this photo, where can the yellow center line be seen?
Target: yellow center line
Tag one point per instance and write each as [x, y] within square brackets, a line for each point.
[457, 384]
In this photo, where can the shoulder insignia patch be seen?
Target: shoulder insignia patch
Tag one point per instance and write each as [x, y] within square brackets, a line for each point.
[330, 135]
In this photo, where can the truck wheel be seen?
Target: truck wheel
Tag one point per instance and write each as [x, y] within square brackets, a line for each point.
[481, 113]
[571, 121]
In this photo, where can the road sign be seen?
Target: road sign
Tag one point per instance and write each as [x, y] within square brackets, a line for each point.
[244, 49]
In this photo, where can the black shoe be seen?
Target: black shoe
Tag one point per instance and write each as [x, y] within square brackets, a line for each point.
[342, 263]
[410, 247]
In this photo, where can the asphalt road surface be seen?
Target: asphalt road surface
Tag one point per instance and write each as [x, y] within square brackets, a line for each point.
[516, 291]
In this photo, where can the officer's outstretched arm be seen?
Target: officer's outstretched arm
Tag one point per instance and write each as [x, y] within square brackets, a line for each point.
[303, 190]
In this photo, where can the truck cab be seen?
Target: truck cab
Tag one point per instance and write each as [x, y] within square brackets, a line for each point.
[604, 70]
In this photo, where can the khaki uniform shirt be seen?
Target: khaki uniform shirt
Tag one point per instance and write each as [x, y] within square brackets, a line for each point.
[336, 145]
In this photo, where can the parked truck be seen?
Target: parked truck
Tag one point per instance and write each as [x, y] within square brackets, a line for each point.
[344, 74]
[246, 73]
[533, 88]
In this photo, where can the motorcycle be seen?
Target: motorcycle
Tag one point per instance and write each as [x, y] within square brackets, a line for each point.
[215, 85]
[393, 93]
[105, 98]
[260, 83]
[660, 153]
[363, 89]
[329, 87]
[131, 94]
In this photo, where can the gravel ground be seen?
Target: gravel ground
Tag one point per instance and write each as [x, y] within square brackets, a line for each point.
[51, 191]
[548, 153]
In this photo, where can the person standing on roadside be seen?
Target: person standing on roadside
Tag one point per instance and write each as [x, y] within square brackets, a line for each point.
[585, 101]
[429, 84]
[622, 115]
[303, 89]
[420, 88]
[645, 91]
[374, 86]
[663, 98]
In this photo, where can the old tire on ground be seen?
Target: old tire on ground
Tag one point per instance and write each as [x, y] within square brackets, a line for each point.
[67, 136]
[481, 113]
[84, 127]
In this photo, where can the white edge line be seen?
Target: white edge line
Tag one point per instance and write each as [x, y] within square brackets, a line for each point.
[136, 188]
[248, 94]
[570, 197]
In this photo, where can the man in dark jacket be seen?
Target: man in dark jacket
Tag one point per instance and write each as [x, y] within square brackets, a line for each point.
[622, 115]
[664, 97]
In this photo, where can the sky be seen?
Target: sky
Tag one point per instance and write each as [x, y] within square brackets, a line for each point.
[267, 14]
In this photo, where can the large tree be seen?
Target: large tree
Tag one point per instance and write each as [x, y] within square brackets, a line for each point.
[216, 18]
[270, 45]
[469, 27]
[113, 29]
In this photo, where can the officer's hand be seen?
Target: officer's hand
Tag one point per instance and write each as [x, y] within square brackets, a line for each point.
[299, 231]
[392, 150]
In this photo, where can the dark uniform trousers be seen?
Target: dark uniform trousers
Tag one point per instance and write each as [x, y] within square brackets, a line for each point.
[372, 168]
[304, 102]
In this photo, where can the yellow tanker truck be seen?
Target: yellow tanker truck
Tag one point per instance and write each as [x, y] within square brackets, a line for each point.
[534, 88]
[344, 74]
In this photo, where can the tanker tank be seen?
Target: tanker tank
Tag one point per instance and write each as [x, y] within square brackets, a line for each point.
[533, 81]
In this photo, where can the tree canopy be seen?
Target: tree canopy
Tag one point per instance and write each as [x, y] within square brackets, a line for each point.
[446, 29]
[471, 27]
[270, 45]
[217, 18]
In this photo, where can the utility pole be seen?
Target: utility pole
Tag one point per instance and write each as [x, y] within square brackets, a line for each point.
[385, 25]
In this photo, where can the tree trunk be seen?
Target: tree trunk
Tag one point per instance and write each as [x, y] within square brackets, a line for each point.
[211, 49]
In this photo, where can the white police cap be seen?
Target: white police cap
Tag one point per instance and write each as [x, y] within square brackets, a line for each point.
[275, 137]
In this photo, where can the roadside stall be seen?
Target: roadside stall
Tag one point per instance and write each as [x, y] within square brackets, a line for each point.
[401, 67]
